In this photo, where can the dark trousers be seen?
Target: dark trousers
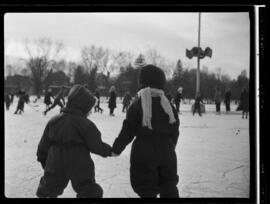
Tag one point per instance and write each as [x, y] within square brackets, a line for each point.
[53, 105]
[20, 107]
[72, 164]
[97, 108]
[111, 111]
[217, 106]
[197, 107]
[125, 107]
[227, 104]
[177, 104]
[153, 173]
[7, 105]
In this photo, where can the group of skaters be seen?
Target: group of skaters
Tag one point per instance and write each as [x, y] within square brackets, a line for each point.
[59, 100]
[23, 98]
[243, 104]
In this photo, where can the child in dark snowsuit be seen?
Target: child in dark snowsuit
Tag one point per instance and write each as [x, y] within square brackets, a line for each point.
[57, 101]
[126, 101]
[153, 159]
[65, 146]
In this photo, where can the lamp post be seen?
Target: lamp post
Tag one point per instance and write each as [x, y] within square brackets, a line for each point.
[200, 54]
[198, 57]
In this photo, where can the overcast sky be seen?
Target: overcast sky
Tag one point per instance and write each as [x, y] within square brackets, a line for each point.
[227, 34]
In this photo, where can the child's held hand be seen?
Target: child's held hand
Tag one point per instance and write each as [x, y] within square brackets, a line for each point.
[114, 155]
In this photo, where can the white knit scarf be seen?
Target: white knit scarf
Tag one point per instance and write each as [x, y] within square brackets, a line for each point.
[146, 95]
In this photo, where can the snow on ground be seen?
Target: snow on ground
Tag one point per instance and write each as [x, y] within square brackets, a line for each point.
[212, 151]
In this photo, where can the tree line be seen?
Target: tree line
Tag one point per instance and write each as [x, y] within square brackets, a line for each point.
[102, 68]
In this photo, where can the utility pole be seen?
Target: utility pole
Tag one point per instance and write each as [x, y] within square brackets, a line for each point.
[198, 57]
[200, 54]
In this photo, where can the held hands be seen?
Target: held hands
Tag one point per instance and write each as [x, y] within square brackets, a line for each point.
[114, 155]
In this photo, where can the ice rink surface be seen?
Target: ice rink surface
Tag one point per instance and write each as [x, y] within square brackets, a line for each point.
[212, 150]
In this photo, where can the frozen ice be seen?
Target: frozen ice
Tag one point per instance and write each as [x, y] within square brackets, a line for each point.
[212, 152]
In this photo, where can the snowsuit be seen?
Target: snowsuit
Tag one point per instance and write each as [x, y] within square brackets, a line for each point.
[64, 151]
[153, 161]
[197, 105]
[218, 100]
[7, 101]
[228, 100]
[126, 102]
[178, 100]
[112, 102]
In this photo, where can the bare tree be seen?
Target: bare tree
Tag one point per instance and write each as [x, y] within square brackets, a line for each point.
[41, 53]
[111, 61]
[9, 70]
[155, 58]
[218, 72]
[89, 56]
[71, 67]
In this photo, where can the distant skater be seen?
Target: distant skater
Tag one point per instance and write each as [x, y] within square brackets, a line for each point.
[217, 99]
[197, 104]
[228, 100]
[47, 98]
[59, 100]
[112, 100]
[21, 101]
[178, 98]
[7, 101]
[126, 101]
[97, 106]
[11, 98]
[244, 102]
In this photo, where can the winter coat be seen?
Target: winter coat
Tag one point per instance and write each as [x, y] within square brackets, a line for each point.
[164, 136]
[178, 97]
[70, 129]
[97, 94]
[47, 98]
[58, 99]
[198, 100]
[244, 101]
[227, 96]
[112, 100]
[126, 100]
[21, 101]
[7, 99]
[217, 97]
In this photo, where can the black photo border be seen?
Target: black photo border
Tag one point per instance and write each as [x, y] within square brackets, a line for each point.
[60, 8]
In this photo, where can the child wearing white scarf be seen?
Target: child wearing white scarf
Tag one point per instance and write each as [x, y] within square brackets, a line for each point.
[146, 95]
